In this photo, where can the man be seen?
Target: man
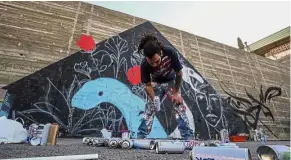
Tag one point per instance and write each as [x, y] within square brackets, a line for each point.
[161, 65]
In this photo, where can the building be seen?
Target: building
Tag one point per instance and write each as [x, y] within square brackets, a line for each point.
[275, 46]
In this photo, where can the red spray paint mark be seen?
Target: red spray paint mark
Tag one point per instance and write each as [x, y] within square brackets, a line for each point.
[86, 42]
[133, 75]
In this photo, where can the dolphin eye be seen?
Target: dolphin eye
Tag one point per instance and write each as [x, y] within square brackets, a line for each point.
[100, 93]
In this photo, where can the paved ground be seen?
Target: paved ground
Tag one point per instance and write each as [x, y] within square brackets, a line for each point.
[75, 147]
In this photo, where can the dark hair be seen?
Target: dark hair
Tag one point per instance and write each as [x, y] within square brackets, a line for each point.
[150, 45]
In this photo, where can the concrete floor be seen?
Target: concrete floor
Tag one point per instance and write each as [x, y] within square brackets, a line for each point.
[66, 146]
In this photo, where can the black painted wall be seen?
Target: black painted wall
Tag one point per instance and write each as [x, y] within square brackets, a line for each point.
[46, 95]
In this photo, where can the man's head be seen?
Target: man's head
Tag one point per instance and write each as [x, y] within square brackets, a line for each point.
[152, 49]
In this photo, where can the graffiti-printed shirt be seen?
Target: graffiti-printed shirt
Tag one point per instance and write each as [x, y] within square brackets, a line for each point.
[165, 72]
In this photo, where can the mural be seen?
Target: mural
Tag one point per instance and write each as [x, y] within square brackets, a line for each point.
[100, 87]
[250, 109]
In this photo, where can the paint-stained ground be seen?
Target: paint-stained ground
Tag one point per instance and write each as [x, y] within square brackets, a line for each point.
[66, 146]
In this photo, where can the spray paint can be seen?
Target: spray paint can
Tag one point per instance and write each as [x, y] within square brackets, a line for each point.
[106, 142]
[32, 130]
[228, 145]
[40, 129]
[219, 153]
[170, 147]
[45, 134]
[101, 142]
[113, 142]
[120, 140]
[189, 144]
[157, 103]
[32, 134]
[142, 143]
[90, 143]
[127, 144]
[35, 141]
[278, 152]
[98, 141]
[224, 136]
[153, 144]
[86, 140]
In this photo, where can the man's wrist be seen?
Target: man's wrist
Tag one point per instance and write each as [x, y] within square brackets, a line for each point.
[175, 91]
[178, 82]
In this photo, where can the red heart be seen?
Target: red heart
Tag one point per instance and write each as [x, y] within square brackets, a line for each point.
[133, 75]
[86, 43]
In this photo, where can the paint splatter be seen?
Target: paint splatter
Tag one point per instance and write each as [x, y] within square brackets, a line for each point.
[86, 42]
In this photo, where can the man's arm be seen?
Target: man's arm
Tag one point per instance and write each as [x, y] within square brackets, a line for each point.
[178, 81]
[177, 66]
[145, 78]
[150, 91]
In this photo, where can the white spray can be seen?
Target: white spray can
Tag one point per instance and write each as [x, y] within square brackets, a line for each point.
[170, 147]
[127, 144]
[157, 103]
[45, 134]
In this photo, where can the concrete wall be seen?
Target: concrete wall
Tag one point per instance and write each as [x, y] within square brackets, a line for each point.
[285, 60]
[36, 34]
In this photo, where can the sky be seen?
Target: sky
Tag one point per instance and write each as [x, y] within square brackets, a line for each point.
[221, 21]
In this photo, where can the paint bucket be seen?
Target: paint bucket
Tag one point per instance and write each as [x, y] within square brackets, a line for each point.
[277, 152]
[127, 144]
[219, 153]
[142, 143]
[113, 142]
[174, 147]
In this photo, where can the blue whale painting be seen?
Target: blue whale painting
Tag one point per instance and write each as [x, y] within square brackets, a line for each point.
[115, 92]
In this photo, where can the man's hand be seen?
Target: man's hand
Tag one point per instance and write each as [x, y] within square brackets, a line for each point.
[151, 93]
[178, 82]
[176, 98]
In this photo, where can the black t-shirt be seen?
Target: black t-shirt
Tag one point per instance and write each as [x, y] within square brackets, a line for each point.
[165, 72]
